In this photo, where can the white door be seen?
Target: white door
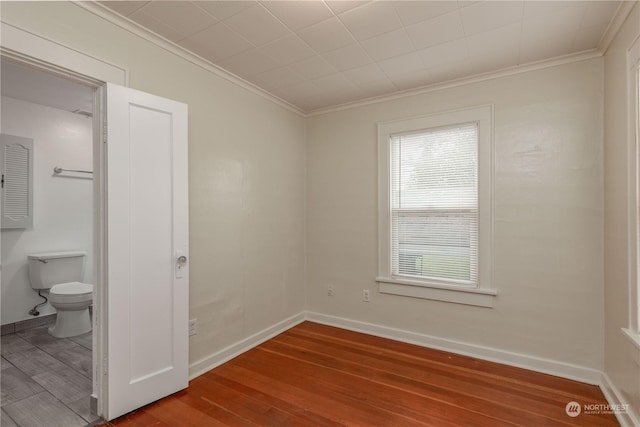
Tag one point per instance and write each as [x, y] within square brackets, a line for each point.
[147, 234]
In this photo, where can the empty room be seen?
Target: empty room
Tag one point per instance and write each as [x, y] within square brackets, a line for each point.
[320, 213]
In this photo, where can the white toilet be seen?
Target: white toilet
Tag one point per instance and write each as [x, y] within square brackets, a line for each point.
[61, 274]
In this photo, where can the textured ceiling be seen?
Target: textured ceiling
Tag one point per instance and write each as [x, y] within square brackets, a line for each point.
[315, 54]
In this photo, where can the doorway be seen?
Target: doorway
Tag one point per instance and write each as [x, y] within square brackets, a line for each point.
[46, 379]
[140, 350]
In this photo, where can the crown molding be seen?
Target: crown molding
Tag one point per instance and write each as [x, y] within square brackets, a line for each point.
[476, 78]
[624, 9]
[621, 15]
[140, 31]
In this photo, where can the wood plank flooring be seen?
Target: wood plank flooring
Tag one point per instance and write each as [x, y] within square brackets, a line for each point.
[316, 375]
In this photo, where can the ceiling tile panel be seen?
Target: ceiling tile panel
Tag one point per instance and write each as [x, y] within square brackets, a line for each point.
[313, 67]
[347, 57]
[388, 45]
[453, 52]
[488, 15]
[156, 26]
[278, 78]
[248, 63]
[298, 14]
[544, 49]
[256, 25]
[339, 6]
[410, 80]
[495, 49]
[216, 42]
[438, 30]
[540, 9]
[403, 64]
[326, 35]
[287, 50]
[365, 74]
[448, 72]
[560, 23]
[377, 88]
[185, 17]
[223, 9]
[336, 82]
[124, 8]
[371, 20]
[411, 12]
[587, 38]
[599, 13]
[462, 3]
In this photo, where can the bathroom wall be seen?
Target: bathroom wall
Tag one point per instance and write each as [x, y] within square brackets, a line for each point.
[548, 244]
[63, 207]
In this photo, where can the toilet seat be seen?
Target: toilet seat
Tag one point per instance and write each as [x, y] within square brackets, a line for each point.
[71, 288]
[72, 292]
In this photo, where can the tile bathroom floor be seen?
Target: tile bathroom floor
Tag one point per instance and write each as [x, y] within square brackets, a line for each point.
[45, 381]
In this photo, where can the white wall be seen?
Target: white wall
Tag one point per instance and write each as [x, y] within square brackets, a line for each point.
[548, 216]
[620, 366]
[246, 177]
[63, 207]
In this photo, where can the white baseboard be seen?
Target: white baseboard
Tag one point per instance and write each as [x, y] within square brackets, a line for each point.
[203, 365]
[627, 418]
[538, 364]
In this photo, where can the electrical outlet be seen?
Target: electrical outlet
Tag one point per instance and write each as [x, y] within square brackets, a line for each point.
[330, 290]
[366, 295]
[193, 327]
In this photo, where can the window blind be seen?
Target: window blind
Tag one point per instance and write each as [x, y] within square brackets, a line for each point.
[434, 204]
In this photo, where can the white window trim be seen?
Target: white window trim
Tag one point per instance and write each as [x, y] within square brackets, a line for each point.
[484, 294]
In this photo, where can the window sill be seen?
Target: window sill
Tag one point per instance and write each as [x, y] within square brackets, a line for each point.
[458, 295]
[634, 337]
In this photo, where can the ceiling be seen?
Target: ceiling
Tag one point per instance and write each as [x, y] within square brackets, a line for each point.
[316, 54]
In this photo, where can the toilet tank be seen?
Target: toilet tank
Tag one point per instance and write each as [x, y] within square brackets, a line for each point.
[51, 268]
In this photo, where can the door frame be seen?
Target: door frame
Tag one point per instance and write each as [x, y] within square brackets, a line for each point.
[32, 50]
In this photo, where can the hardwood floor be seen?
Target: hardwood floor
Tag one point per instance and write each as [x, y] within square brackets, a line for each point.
[316, 375]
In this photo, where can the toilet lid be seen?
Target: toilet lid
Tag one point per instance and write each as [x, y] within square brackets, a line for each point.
[72, 288]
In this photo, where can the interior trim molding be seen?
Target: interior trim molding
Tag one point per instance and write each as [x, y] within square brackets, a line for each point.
[476, 78]
[206, 364]
[128, 25]
[624, 9]
[138, 30]
[519, 360]
[614, 397]
[41, 52]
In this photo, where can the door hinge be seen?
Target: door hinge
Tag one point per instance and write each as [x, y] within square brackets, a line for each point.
[2, 181]
[104, 134]
[105, 365]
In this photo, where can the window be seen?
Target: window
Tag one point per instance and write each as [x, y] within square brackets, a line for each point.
[435, 209]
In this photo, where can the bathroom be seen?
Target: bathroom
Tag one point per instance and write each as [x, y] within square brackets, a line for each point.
[40, 370]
